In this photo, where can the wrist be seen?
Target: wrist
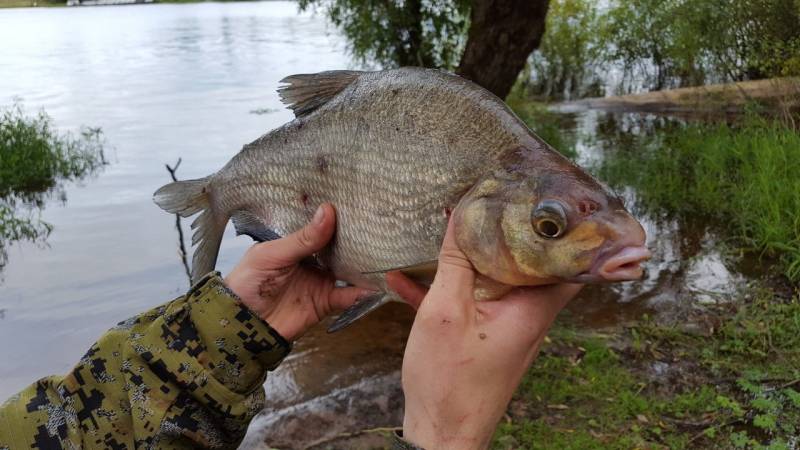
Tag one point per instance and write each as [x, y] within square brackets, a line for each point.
[431, 436]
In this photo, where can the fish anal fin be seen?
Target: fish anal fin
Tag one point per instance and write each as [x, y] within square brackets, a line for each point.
[250, 224]
[358, 310]
[422, 273]
[305, 93]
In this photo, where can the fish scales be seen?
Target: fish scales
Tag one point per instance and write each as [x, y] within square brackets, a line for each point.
[391, 177]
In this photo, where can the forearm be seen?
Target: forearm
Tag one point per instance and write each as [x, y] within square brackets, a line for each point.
[187, 374]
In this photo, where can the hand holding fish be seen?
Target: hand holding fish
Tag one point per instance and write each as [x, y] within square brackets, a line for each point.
[464, 359]
[289, 296]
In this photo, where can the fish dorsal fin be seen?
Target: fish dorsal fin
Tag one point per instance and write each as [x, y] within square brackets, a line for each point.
[305, 93]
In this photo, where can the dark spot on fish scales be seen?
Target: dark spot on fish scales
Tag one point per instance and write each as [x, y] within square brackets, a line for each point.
[321, 164]
[304, 198]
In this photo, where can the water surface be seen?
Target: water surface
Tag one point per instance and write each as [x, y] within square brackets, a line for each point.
[163, 81]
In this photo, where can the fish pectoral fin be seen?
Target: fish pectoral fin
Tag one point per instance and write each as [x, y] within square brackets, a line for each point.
[359, 309]
[422, 273]
[250, 224]
[307, 92]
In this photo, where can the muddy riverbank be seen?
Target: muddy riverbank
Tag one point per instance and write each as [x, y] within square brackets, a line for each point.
[777, 94]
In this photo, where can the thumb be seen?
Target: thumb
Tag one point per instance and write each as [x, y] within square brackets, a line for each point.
[455, 274]
[304, 242]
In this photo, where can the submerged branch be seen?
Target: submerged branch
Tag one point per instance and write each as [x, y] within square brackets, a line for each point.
[181, 243]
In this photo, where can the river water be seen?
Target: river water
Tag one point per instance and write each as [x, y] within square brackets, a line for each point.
[185, 81]
[163, 82]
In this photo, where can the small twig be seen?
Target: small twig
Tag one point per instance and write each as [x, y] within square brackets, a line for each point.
[181, 244]
[703, 433]
[788, 384]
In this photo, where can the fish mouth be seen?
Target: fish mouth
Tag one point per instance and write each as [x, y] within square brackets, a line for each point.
[622, 265]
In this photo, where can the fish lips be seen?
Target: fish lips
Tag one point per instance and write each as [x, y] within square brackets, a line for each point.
[620, 264]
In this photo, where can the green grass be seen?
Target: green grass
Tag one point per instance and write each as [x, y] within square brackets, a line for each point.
[732, 386]
[35, 162]
[744, 176]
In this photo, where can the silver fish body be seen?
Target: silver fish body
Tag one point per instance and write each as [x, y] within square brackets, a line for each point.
[393, 151]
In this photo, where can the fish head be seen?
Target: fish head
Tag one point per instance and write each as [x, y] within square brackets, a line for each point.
[545, 220]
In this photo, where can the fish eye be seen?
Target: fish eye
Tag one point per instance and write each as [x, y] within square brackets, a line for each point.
[549, 219]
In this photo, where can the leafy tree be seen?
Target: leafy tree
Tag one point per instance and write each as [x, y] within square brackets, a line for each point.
[392, 33]
[487, 41]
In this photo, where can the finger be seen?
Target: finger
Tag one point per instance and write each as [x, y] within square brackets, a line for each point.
[407, 289]
[304, 242]
[342, 298]
[455, 274]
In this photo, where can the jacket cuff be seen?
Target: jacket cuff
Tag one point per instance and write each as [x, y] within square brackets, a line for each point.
[240, 346]
[398, 443]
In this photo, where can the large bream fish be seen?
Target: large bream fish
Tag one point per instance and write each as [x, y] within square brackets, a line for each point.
[396, 152]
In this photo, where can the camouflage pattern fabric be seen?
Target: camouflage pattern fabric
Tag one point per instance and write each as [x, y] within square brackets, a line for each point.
[398, 443]
[187, 374]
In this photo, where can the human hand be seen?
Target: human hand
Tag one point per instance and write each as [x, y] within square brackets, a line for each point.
[285, 294]
[464, 359]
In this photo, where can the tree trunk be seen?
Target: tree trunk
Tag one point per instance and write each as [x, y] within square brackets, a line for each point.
[502, 34]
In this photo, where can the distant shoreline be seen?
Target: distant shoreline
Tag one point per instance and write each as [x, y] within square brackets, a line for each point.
[63, 3]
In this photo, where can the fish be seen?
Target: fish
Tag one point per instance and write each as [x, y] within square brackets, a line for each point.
[399, 153]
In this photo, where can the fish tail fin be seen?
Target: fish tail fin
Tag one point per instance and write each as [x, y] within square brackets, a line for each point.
[187, 198]
[360, 309]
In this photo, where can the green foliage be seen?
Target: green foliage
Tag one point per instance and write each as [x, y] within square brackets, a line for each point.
[393, 33]
[692, 42]
[743, 176]
[565, 64]
[659, 44]
[35, 162]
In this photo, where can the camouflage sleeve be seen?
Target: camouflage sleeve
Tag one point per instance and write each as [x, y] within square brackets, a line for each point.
[398, 443]
[187, 374]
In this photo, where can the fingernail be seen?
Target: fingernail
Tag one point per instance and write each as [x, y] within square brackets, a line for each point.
[319, 216]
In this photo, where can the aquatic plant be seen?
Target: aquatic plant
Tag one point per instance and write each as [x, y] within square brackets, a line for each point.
[35, 163]
[742, 176]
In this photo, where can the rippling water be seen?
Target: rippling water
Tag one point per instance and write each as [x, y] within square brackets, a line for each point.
[163, 81]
